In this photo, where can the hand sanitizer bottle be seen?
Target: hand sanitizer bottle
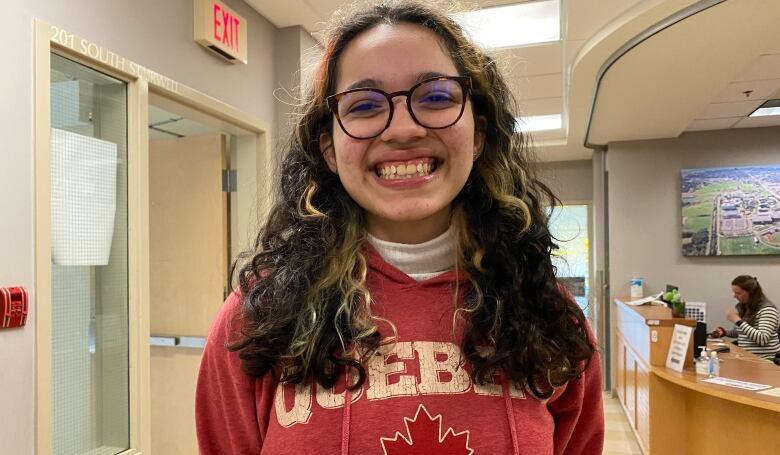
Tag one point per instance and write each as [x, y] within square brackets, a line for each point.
[714, 365]
[703, 363]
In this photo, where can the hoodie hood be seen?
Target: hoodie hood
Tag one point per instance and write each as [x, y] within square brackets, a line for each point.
[381, 270]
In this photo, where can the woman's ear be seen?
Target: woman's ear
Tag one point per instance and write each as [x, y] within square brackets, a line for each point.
[328, 153]
[479, 136]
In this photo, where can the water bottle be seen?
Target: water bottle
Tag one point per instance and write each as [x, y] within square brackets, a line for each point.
[703, 363]
[714, 365]
[636, 288]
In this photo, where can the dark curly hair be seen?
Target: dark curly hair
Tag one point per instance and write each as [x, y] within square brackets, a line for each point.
[306, 309]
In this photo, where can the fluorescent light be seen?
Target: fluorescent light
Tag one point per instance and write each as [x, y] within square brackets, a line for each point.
[539, 123]
[513, 25]
[771, 107]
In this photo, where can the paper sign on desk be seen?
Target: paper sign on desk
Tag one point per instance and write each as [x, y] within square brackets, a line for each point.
[678, 348]
[738, 384]
[772, 392]
[652, 300]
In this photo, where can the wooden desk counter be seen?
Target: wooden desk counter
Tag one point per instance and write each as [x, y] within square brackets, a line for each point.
[677, 413]
[737, 364]
[648, 329]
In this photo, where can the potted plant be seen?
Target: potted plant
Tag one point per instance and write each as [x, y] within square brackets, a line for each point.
[675, 301]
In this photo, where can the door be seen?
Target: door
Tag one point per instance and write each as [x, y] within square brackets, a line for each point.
[188, 239]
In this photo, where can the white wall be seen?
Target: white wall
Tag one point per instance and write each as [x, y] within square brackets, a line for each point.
[645, 216]
[569, 180]
[156, 34]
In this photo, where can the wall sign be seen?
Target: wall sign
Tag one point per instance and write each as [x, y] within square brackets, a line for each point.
[91, 50]
[221, 30]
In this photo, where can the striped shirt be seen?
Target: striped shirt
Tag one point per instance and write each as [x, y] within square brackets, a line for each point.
[760, 338]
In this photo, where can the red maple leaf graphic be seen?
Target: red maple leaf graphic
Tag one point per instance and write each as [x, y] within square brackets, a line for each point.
[424, 437]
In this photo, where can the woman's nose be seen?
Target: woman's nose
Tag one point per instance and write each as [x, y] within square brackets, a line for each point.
[402, 127]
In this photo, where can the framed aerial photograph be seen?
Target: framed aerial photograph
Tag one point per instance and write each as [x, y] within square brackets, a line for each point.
[730, 211]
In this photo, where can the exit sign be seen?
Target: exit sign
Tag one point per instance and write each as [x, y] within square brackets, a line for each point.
[221, 30]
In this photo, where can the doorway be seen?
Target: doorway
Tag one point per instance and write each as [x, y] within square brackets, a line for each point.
[569, 227]
[190, 187]
[93, 196]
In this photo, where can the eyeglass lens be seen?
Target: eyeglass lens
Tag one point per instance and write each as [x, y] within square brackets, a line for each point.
[435, 104]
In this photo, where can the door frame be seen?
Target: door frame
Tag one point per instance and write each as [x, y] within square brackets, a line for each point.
[142, 83]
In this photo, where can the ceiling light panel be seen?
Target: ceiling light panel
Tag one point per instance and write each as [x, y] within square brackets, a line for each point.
[513, 25]
[723, 110]
[771, 107]
[539, 123]
[764, 111]
[758, 122]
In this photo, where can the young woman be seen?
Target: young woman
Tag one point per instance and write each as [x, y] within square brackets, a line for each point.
[755, 319]
[401, 298]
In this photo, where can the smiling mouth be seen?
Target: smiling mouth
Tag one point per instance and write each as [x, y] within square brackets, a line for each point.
[398, 170]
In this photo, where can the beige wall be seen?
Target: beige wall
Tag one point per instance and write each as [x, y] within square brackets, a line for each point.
[569, 180]
[296, 52]
[156, 34]
[645, 219]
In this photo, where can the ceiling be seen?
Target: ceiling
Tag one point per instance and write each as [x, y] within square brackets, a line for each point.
[706, 72]
[169, 119]
[167, 125]
[690, 76]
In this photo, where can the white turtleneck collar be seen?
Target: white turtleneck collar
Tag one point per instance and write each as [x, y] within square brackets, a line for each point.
[421, 261]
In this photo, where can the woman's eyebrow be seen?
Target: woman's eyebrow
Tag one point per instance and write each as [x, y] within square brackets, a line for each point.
[430, 75]
[373, 83]
[364, 83]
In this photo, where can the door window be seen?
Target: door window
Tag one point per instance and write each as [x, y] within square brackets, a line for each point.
[569, 226]
[89, 342]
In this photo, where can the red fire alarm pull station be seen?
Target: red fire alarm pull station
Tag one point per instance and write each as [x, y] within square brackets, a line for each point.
[13, 307]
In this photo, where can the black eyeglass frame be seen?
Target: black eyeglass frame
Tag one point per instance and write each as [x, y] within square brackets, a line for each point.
[464, 81]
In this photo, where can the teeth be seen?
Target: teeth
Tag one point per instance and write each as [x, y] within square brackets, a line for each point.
[402, 171]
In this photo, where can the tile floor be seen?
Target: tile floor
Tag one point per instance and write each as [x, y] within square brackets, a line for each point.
[618, 438]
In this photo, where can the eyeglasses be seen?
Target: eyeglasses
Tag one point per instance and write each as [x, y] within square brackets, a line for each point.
[436, 103]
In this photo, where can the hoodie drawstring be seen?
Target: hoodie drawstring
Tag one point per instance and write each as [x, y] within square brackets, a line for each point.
[510, 414]
[345, 415]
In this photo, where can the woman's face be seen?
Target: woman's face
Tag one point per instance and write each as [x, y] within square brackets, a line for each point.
[412, 209]
[740, 294]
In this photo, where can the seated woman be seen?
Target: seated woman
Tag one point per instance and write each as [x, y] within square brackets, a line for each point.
[755, 319]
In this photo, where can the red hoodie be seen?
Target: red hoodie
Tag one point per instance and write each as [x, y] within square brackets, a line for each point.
[417, 398]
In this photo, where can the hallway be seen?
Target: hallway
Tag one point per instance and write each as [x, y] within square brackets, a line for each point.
[618, 437]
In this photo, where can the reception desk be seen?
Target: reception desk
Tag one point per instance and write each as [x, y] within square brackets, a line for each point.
[677, 413]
